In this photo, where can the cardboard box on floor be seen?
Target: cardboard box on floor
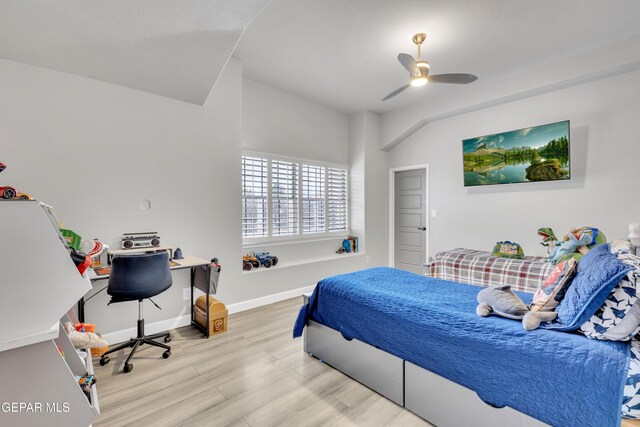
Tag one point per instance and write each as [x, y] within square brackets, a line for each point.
[218, 314]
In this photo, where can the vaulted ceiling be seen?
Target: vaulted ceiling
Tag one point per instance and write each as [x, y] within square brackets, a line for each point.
[342, 53]
[175, 48]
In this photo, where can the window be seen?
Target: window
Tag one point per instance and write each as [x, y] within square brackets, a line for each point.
[284, 198]
[254, 197]
[337, 199]
[313, 199]
[290, 199]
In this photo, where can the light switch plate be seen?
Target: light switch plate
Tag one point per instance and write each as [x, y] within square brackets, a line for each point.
[186, 294]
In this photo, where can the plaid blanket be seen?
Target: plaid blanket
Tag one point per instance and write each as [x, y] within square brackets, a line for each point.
[482, 269]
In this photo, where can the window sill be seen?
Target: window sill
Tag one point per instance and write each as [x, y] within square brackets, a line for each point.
[284, 264]
[293, 241]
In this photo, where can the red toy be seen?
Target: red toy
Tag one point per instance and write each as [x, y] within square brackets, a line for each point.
[8, 192]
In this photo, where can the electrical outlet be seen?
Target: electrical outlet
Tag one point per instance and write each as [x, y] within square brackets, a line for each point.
[186, 294]
[367, 259]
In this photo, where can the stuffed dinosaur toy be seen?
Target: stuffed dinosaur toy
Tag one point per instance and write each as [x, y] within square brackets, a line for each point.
[502, 301]
[570, 246]
[548, 237]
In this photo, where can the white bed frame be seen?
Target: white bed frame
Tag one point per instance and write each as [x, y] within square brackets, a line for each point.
[438, 400]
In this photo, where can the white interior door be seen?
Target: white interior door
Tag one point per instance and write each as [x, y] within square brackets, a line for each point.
[410, 228]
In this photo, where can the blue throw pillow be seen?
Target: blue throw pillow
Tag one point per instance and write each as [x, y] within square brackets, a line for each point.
[599, 271]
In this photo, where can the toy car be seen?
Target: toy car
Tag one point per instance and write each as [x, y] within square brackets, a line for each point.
[8, 192]
[246, 265]
[266, 259]
[252, 260]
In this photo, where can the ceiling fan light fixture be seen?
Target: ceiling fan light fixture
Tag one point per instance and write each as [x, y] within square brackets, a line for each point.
[423, 64]
[419, 81]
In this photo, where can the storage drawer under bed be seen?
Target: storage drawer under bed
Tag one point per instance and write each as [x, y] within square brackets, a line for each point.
[445, 403]
[371, 366]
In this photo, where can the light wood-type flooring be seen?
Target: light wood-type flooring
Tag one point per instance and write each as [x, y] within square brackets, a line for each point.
[255, 374]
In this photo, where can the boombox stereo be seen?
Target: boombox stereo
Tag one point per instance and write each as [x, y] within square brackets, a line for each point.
[140, 240]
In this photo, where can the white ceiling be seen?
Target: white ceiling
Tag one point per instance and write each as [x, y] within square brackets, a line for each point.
[175, 48]
[343, 53]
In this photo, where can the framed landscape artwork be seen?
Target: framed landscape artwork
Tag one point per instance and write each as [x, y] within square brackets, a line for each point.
[539, 153]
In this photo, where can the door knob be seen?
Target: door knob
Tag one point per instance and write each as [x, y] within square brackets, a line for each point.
[422, 228]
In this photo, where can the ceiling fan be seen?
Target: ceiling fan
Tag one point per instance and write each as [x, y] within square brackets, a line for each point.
[419, 71]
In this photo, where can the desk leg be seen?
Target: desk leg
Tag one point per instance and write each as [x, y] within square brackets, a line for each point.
[204, 329]
[208, 333]
[193, 273]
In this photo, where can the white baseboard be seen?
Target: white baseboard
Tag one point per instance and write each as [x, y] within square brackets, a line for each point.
[177, 322]
[268, 299]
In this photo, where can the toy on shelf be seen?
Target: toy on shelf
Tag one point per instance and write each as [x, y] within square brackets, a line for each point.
[85, 382]
[266, 259]
[348, 245]
[9, 193]
[96, 250]
[85, 327]
[508, 249]
[80, 259]
[84, 339]
[73, 238]
[249, 262]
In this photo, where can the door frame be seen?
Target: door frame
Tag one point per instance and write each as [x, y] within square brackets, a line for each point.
[392, 208]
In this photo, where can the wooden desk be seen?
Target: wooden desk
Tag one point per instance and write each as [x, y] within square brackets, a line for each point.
[200, 279]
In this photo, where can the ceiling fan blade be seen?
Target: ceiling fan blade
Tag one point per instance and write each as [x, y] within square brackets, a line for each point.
[395, 92]
[458, 79]
[409, 63]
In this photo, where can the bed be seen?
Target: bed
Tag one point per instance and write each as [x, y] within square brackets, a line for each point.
[418, 341]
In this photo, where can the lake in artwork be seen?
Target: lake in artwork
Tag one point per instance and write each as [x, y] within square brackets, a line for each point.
[538, 153]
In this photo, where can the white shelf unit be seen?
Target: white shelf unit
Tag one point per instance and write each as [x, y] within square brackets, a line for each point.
[40, 284]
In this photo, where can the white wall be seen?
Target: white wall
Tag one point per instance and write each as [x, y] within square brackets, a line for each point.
[605, 148]
[277, 122]
[369, 185]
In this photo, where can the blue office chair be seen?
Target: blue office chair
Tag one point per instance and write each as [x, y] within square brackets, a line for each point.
[137, 277]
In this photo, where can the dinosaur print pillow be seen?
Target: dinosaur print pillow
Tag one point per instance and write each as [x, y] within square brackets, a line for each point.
[631, 399]
[619, 317]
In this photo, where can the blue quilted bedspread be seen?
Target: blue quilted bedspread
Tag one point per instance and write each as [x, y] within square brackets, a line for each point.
[563, 379]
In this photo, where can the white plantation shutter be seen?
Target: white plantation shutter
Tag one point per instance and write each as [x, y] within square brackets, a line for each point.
[313, 199]
[254, 196]
[284, 198]
[337, 199]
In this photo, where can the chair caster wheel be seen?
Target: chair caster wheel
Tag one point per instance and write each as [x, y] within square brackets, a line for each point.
[128, 367]
[166, 354]
[167, 339]
[104, 360]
